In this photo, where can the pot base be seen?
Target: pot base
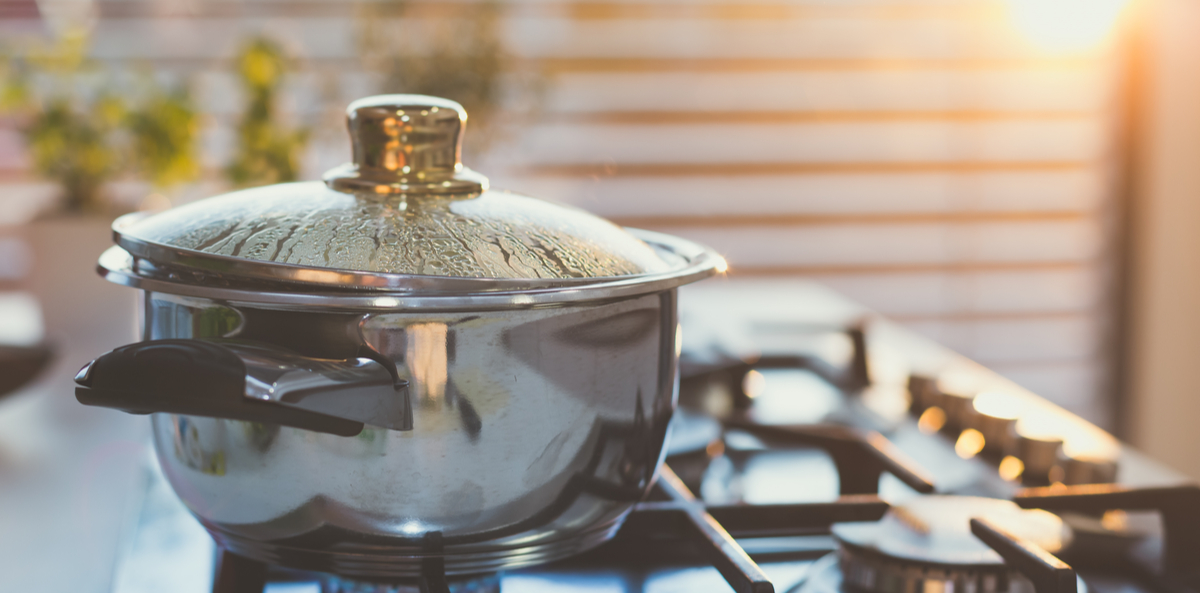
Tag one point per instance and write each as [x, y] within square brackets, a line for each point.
[381, 563]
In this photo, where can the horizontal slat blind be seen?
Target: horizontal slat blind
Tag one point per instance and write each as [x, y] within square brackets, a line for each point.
[919, 156]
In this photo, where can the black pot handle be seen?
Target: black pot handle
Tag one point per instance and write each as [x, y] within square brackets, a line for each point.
[239, 381]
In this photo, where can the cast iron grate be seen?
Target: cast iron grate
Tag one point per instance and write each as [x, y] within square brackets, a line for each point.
[695, 533]
[677, 528]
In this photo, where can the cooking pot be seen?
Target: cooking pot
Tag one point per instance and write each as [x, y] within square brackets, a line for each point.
[399, 363]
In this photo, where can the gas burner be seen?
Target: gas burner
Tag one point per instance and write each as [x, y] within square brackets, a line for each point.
[481, 584]
[927, 545]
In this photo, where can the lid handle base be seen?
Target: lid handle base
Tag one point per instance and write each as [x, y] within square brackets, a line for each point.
[406, 144]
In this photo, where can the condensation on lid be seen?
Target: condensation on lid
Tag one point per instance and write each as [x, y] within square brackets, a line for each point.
[490, 235]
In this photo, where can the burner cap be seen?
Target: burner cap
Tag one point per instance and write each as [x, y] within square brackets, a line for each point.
[926, 545]
[936, 530]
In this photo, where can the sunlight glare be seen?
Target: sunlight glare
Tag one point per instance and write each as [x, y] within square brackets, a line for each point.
[753, 384]
[998, 404]
[1011, 468]
[932, 420]
[1065, 25]
[969, 443]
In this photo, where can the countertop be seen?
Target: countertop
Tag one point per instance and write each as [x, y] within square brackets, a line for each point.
[67, 471]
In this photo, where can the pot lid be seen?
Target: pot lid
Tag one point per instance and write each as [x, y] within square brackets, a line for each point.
[406, 210]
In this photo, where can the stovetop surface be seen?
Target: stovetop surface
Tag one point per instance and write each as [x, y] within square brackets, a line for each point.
[166, 549]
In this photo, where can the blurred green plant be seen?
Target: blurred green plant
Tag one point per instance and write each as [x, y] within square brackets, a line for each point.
[462, 57]
[164, 129]
[70, 146]
[267, 151]
[82, 131]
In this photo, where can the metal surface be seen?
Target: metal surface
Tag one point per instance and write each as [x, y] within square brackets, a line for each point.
[406, 206]
[406, 144]
[927, 544]
[996, 421]
[236, 574]
[1088, 471]
[356, 388]
[735, 565]
[829, 575]
[860, 456]
[533, 349]
[1179, 507]
[224, 281]
[534, 431]
[936, 530]
[1040, 454]
[1047, 573]
[1040, 444]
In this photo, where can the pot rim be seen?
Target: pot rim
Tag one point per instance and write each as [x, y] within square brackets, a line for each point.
[120, 265]
[340, 279]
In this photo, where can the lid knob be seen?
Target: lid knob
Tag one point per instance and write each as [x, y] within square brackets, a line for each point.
[406, 144]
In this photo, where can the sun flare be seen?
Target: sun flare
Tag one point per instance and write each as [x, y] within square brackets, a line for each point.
[1065, 25]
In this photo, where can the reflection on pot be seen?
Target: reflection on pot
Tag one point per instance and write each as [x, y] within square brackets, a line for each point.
[259, 434]
[528, 404]
[425, 360]
[370, 443]
[190, 450]
[186, 317]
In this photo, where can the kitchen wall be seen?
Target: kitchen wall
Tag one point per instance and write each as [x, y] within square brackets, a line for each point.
[1164, 382]
[950, 163]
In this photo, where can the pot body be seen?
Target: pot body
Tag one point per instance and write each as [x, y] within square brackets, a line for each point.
[534, 431]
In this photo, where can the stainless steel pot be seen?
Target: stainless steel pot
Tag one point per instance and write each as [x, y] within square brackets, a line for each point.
[400, 364]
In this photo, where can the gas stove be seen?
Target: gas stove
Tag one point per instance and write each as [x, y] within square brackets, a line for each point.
[817, 449]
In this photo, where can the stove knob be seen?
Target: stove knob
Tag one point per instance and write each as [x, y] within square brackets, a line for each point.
[957, 394]
[940, 405]
[1089, 471]
[994, 414]
[959, 408]
[1038, 449]
[923, 391]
